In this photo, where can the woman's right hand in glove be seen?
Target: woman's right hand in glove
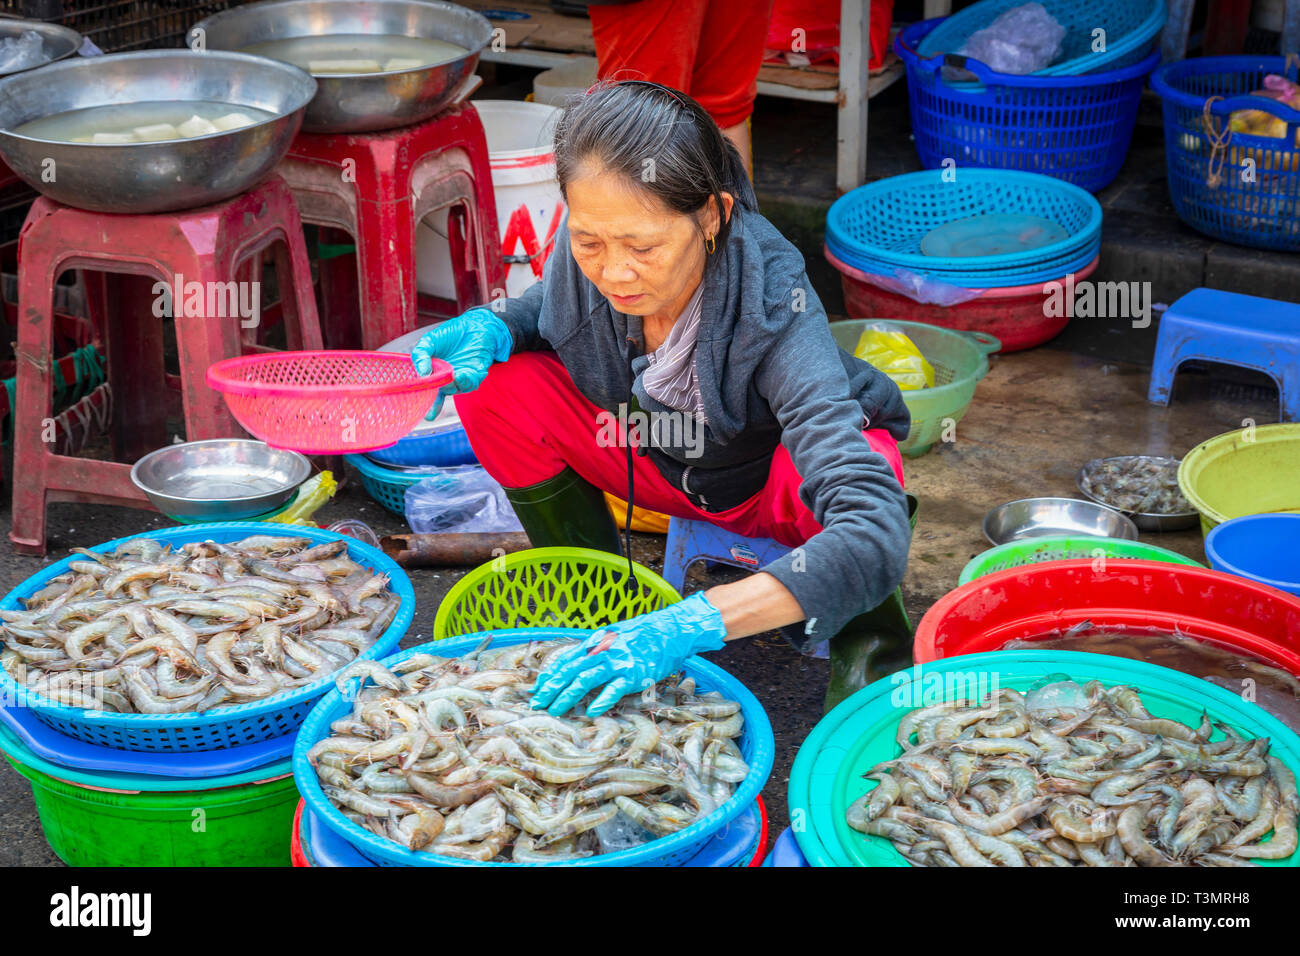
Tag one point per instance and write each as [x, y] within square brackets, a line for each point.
[469, 343]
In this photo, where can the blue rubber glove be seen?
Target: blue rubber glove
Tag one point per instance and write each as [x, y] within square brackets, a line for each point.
[635, 653]
[470, 343]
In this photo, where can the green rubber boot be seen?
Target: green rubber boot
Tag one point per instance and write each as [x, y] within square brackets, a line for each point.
[565, 512]
[871, 645]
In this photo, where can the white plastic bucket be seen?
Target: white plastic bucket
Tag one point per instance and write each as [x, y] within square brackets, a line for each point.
[529, 207]
[559, 84]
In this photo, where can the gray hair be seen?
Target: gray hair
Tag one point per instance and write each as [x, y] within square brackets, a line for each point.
[658, 139]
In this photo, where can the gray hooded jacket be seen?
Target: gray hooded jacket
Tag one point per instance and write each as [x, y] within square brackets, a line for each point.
[769, 371]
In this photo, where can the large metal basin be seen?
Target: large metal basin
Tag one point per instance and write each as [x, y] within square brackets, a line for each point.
[57, 41]
[361, 102]
[162, 176]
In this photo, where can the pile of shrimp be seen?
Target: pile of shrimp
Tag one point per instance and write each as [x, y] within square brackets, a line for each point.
[150, 630]
[1005, 782]
[447, 756]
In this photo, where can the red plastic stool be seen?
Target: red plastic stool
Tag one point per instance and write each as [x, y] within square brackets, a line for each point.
[128, 256]
[376, 187]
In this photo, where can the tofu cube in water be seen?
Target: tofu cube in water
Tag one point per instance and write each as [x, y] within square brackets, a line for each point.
[196, 126]
[156, 132]
[233, 121]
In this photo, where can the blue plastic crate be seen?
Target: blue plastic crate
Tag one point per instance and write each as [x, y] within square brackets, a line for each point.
[757, 744]
[221, 727]
[1074, 128]
[1256, 199]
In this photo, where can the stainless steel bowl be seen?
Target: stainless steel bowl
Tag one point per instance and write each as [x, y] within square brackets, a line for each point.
[162, 176]
[224, 479]
[1038, 517]
[57, 42]
[1178, 521]
[361, 102]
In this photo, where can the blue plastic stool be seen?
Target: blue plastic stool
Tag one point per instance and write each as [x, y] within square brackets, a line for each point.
[690, 541]
[785, 851]
[1242, 330]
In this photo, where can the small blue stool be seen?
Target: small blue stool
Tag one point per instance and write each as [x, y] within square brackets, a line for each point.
[690, 541]
[1242, 330]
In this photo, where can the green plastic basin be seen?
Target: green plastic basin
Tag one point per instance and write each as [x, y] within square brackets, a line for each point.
[1246, 472]
[246, 825]
[859, 733]
[1013, 554]
[960, 360]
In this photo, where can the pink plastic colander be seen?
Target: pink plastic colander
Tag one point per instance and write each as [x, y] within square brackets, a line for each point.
[329, 402]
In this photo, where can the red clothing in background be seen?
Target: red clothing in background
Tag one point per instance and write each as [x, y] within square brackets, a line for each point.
[710, 49]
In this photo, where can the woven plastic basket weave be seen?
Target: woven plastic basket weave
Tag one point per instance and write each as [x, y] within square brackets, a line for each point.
[550, 587]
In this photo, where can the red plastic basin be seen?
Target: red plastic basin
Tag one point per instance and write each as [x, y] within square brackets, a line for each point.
[1032, 600]
[1015, 315]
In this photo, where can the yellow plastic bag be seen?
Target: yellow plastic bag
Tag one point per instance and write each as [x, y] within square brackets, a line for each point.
[312, 495]
[892, 352]
[643, 519]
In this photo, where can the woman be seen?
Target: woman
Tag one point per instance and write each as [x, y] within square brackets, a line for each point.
[674, 318]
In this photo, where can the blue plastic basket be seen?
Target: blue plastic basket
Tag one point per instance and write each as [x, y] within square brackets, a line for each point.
[1074, 128]
[1131, 28]
[221, 727]
[1258, 547]
[878, 227]
[387, 485]
[441, 449]
[732, 845]
[757, 744]
[1257, 200]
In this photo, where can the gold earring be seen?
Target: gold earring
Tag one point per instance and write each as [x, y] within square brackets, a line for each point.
[710, 245]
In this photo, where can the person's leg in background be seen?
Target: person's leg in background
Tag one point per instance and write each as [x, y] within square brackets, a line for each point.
[653, 40]
[725, 74]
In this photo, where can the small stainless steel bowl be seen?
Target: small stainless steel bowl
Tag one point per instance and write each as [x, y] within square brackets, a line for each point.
[57, 42]
[1178, 521]
[1038, 517]
[362, 102]
[224, 479]
[152, 177]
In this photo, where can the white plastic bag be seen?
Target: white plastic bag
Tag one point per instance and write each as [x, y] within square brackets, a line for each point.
[1021, 40]
[460, 499]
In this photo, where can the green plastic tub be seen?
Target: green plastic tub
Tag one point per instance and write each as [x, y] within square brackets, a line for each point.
[1013, 554]
[242, 825]
[550, 587]
[1246, 472]
[960, 360]
[859, 733]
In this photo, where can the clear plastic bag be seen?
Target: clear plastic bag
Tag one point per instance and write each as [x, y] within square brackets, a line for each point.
[1021, 40]
[461, 499]
[923, 289]
[892, 352]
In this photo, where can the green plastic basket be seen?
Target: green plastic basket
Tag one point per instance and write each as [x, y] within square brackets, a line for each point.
[858, 734]
[550, 587]
[1013, 554]
[960, 360]
[233, 826]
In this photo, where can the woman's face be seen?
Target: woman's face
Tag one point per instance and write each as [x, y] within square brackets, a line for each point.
[644, 258]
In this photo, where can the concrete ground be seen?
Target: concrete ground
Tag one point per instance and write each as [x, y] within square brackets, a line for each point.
[1036, 417]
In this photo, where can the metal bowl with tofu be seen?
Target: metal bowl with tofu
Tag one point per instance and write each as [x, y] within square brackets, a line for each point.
[380, 64]
[155, 131]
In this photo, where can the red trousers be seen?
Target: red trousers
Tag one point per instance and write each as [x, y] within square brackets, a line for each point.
[709, 49]
[527, 421]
